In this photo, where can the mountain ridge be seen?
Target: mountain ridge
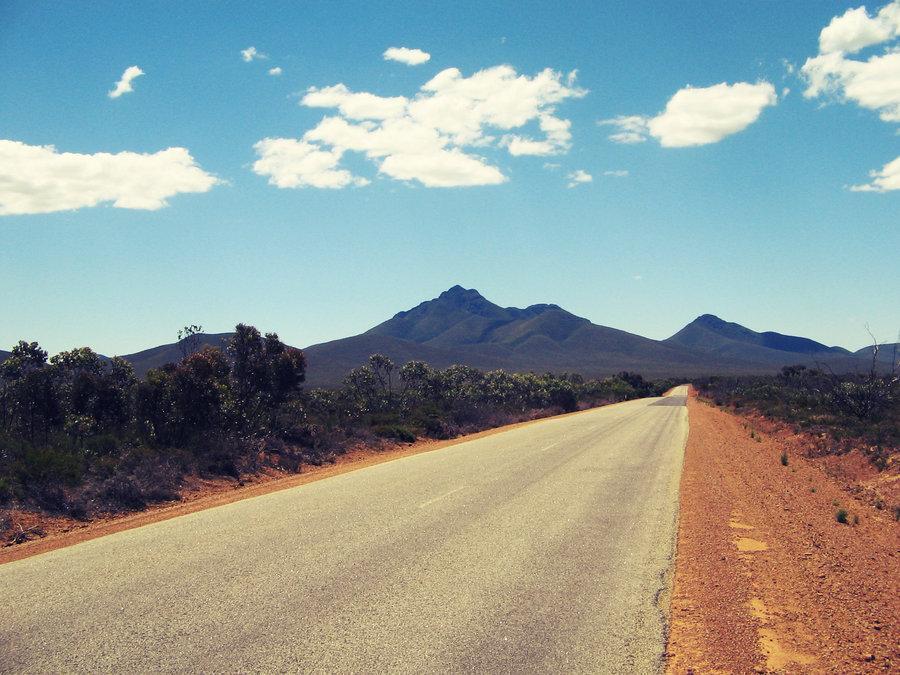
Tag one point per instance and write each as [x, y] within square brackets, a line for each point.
[461, 326]
[712, 335]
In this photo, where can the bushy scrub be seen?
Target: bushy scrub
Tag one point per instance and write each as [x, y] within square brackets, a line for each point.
[852, 409]
[80, 433]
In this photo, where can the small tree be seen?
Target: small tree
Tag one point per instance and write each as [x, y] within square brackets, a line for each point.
[189, 339]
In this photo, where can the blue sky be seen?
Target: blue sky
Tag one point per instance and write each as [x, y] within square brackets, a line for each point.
[737, 199]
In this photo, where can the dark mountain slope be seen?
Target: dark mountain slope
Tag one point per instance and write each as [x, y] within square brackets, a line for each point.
[4, 355]
[710, 334]
[887, 352]
[329, 362]
[539, 337]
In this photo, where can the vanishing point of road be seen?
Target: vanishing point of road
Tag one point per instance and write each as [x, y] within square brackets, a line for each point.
[546, 547]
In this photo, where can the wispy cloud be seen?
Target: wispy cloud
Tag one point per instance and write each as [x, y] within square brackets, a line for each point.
[579, 177]
[123, 86]
[276, 71]
[698, 115]
[39, 179]
[429, 137]
[884, 180]
[631, 128]
[617, 173]
[411, 57]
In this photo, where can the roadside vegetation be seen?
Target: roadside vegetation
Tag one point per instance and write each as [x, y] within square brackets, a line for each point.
[846, 411]
[81, 436]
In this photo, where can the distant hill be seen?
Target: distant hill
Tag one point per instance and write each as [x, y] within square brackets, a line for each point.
[711, 335]
[462, 326]
[887, 352]
[4, 355]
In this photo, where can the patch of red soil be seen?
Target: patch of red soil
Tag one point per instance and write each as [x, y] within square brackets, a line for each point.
[766, 578]
[853, 469]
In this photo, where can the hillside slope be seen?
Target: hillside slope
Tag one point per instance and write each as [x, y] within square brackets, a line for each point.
[711, 335]
[888, 352]
[461, 326]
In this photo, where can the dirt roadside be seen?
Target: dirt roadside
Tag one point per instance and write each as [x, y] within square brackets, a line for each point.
[766, 578]
[199, 494]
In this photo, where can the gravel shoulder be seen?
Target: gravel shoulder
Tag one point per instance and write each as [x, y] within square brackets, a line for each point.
[766, 578]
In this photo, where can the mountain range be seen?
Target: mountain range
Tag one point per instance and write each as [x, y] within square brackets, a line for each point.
[462, 326]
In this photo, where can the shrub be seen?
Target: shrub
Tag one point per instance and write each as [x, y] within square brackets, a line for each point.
[395, 431]
[784, 458]
[842, 516]
[50, 465]
[124, 490]
[435, 428]
[6, 490]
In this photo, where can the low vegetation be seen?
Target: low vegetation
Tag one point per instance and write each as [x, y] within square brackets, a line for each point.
[80, 435]
[848, 410]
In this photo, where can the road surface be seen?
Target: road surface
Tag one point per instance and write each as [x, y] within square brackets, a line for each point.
[542, 548]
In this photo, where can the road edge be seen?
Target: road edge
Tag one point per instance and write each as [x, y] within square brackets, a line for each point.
[346, 463]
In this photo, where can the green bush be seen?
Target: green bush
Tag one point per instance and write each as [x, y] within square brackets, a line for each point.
[842, 516]
[50, 465]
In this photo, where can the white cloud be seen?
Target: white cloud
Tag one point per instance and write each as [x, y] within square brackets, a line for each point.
[123, 86]
[356, 106]
[703, 115]
[251, 54]
[290, 163]
[38, 179]
[557, 140]
[855, 29]
[579, 177]
[411, 57]
[443, 168]
[427, 137]
[276, 71]
[885, 180]
[872, 83]
[698, 115]
[618, 173]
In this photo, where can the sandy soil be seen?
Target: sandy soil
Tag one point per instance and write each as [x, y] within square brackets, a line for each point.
[53, 532]
[766, 578]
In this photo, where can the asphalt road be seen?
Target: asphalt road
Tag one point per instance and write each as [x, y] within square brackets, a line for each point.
[542, 548]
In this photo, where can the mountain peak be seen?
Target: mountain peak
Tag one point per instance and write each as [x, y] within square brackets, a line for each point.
[709, 320]
[459, 294]
[711, 334]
